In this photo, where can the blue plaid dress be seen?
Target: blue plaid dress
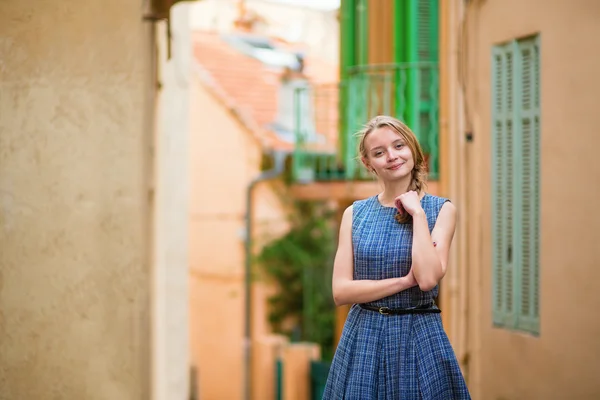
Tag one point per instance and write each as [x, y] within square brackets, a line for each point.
[389, 357]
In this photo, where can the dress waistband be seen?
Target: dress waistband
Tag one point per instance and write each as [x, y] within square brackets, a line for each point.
[424, 309]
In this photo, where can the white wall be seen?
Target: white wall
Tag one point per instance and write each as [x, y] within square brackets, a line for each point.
[170, 279]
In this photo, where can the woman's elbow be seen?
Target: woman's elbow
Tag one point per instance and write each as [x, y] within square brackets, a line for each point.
[431, 279]
[339, 302]
[338, 297]
[428, 285]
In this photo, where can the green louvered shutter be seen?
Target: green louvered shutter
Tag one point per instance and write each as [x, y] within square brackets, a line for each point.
[516, 198]
[512, 161]
[502, 170]
[361, 10]
[427, 51]
[528, 313]
[498, 184]
[422, 82]
[354, 37]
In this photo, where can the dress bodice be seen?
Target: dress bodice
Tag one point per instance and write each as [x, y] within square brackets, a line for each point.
[383, 247]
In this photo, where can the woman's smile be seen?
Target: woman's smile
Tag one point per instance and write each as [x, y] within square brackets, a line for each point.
[396, 166]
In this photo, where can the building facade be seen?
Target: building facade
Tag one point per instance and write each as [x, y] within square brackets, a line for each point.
[93, 264]
[519, 93]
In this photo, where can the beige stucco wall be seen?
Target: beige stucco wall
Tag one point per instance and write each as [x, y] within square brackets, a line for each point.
[224, 159]
[75, 130]
[562, 363]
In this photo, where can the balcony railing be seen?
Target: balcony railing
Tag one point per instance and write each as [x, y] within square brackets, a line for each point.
[328, 117]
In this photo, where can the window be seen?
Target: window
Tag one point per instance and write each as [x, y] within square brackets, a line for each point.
[515, 185]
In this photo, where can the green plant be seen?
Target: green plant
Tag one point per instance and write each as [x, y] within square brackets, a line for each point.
[300, 263]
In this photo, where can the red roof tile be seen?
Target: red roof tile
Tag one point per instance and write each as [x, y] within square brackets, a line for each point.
[248, 87]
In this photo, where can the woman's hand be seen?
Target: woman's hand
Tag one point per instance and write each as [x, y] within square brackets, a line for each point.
[410, 279]
[409, 202]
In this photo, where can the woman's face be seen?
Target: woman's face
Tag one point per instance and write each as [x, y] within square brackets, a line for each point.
[388, 155]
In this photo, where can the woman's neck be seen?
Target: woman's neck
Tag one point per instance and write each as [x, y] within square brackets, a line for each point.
[393, 189]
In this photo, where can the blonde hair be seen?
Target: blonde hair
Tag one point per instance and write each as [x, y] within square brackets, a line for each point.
[418, 182]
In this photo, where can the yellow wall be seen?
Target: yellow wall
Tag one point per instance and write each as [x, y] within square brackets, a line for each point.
[224, 159]
[75, 130]
[563, 362]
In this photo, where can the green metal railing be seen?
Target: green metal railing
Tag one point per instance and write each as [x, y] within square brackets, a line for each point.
[316, 151]
[328, 117]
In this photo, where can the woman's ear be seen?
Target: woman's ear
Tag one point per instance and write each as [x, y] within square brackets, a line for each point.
[366, 163]
[368, 166]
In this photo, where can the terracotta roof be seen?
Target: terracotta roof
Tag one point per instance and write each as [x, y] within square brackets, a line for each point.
[246, 86]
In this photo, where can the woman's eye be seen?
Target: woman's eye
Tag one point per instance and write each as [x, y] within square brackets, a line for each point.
[377, 154]
[399, 145]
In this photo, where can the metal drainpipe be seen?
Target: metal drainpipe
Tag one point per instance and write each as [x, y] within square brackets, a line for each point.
[278, 168]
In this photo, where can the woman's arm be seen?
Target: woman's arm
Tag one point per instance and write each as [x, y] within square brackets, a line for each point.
[346, 290]
[428, 261]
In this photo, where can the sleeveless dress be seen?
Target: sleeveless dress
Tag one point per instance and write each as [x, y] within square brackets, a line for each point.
[389, 357]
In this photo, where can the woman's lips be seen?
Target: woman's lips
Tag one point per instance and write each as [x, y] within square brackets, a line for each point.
[395, 167]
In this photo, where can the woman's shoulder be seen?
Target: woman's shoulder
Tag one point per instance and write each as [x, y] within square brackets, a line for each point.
[434, 199]
[433, 204]
[363, 202]
[360, 207]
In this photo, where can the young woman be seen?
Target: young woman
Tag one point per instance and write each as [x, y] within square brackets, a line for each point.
[393, 250]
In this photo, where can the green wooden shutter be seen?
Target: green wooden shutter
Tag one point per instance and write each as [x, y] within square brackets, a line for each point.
[498, 185]
[347, 60]
[416, 46]
[428, 51]
[515, 197]
[512, 170]
[422, 48]
[502, 197]
[528, 315]
[354, 32]
[361, 11]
